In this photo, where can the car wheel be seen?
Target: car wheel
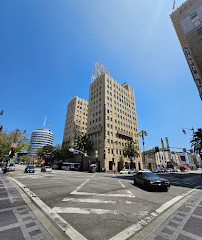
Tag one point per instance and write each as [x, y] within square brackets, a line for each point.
[135, 183]
[147, 187]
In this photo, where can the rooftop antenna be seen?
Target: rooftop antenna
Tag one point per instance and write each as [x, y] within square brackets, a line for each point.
[44, 124]
[98, 69]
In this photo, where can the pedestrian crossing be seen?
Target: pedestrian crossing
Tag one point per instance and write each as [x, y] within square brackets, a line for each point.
[34, 175]
[97, 203]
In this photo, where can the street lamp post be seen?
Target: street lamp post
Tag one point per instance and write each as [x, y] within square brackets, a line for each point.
[78, 151]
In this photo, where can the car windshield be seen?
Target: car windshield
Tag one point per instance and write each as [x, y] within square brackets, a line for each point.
[149, 174]
[30, 167]
[47, 166]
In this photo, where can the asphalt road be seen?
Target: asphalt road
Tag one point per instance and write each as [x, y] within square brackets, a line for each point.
[100, 205]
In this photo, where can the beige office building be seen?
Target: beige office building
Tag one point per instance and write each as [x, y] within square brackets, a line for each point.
[76, 120]
[187, 20]
[112, 121]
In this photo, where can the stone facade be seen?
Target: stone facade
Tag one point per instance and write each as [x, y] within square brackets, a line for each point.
[76, 120]
[187, 20]
[112, 121]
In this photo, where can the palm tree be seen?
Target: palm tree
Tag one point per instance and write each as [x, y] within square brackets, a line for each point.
[142, 134]
[83, 144]
[131, 151]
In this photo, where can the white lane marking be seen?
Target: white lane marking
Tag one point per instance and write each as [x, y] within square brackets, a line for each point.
[123, 186]
[84, 210]
[168, 204]
[128, 232]
[100, 194]
[75, 192]
[86, 200]
[79, 187]
[128, 191]
[66, 227]
[6, 198]
[73, 210]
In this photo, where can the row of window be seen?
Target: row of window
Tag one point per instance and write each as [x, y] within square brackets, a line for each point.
[84, 105]
[122, 130]
[96, 120]
[123, 100]
[194, 19]
[124, 125]
[117, 121]
[120, 93]
[80, 117]
[115, 114]
[118, 87]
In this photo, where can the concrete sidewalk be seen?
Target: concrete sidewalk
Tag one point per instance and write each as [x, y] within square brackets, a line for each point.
[184, 224]
[16, 219]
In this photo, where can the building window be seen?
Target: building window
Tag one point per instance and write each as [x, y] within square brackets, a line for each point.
[197, 22]
[193, 15]
[199, 31]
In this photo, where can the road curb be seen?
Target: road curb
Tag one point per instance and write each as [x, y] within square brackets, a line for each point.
[148, 230]
[52, 230]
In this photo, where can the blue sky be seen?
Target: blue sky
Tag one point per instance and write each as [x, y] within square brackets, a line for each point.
[48, 48]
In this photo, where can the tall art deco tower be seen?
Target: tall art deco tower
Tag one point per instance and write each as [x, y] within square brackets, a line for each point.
[112, 120]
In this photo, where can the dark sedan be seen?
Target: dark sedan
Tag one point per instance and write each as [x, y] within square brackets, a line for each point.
[29, 169]
[151, 181]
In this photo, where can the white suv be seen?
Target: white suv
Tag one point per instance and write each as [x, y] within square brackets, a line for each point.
[11, 167]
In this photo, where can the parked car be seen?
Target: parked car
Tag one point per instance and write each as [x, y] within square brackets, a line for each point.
[145, 170]
[124, 171]
[29, 169]
[164, 170]
[46, 169]
[132, 171]
[157, 170]
[150, 181]
[11, 167]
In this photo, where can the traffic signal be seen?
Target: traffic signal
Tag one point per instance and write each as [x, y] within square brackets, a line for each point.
[12, 152]
[156, 149]
[200, 153]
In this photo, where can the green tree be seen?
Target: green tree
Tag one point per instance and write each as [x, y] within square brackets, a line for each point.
[196, 142]
[25, 158]
[19, 137]
[131, 151]
[61, 153]
[45, 153]
[83, 144]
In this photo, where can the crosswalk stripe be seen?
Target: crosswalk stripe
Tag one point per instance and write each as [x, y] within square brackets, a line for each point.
[73, 210]
[102, 195]
[84, 210]
[85, 200]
